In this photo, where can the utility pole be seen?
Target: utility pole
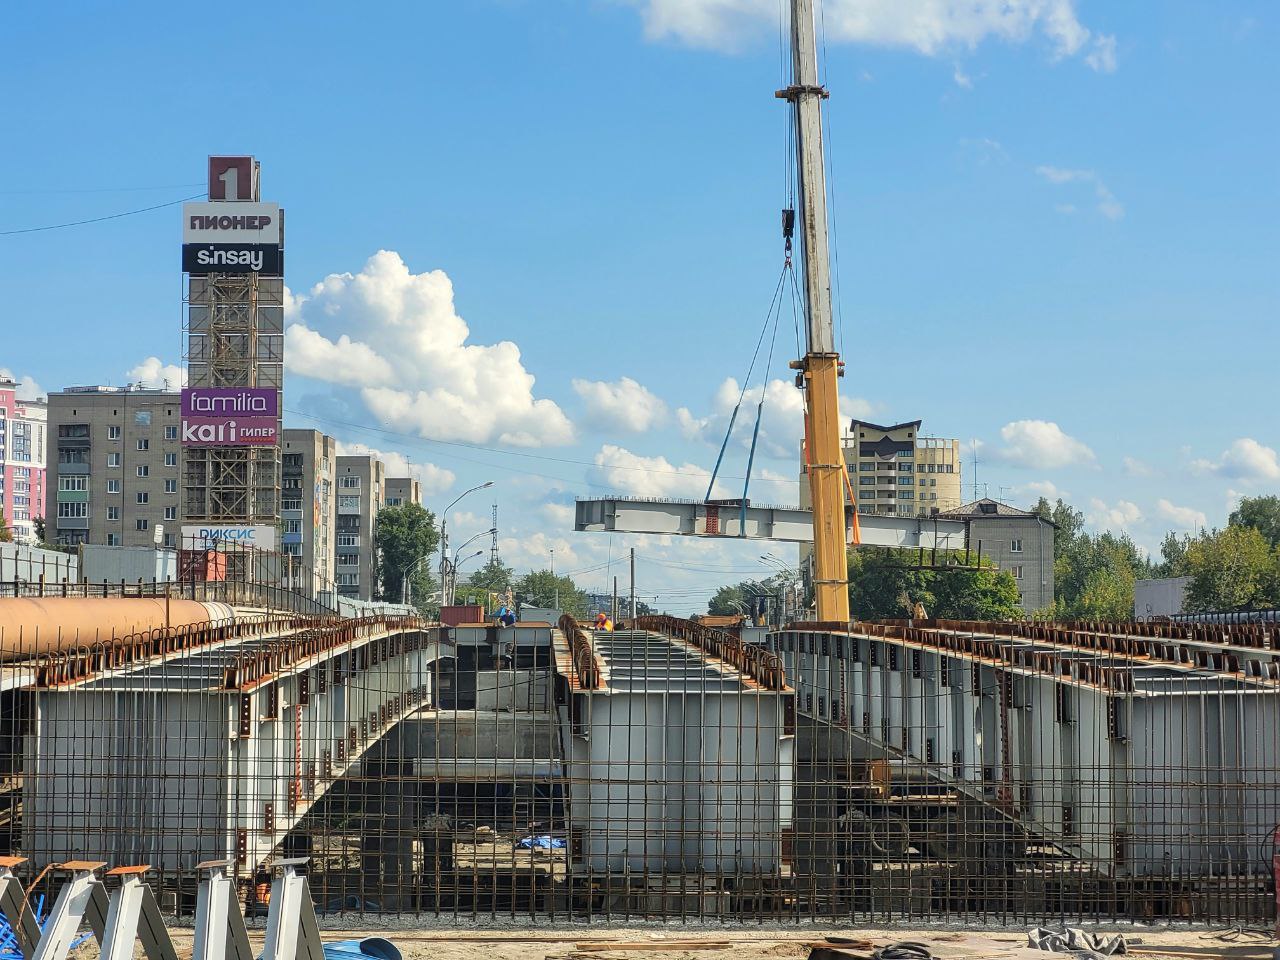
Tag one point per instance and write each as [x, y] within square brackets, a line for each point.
[633, 584]
[820, 367]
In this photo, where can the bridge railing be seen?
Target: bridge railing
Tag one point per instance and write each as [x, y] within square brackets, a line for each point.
[760, 665]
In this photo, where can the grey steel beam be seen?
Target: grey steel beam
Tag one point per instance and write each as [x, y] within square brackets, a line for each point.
[691, 518]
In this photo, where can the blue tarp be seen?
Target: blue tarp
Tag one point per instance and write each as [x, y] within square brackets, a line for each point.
[544, 842]
[370, 948]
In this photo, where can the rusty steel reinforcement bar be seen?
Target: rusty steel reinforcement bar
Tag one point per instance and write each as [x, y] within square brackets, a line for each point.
[83, 663]
[378, 639]
[760, 665]
[996, 642]
[586, 665]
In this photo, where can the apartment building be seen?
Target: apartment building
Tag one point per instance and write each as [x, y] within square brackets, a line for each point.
[402, 490]
[361, 492]
[1015, 540]
[23, 424]
[116, 455]
[894, 471]
[309, 463]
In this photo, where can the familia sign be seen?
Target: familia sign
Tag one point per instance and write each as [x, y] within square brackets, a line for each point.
[230, 416]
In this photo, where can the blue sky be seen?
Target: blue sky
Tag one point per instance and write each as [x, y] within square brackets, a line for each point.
[1056, 233]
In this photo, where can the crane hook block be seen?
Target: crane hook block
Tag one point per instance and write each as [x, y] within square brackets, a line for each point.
[788, 224]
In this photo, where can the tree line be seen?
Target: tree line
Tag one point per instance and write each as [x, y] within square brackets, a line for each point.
[1236, 568]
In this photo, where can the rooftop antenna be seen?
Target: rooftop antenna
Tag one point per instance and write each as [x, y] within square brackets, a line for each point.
[973, 445]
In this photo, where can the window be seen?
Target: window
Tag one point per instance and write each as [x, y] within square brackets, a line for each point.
[113, 459]
[867, 467]
[170, 459]
[293, 526]
[348, 579]
[171, 433]
[906, 495]
[73, 431]
[866, 481]
[348, 540]
[866, 508]
[141, 524]
[171, 486]
[73, 483]
[113, 433]
[73, 510]
[291, 504]
[144, 443]
[143, 496]
[906, 482]
[113, 513]
[144, 470]
[349, 483]
[171, 513]
[1015, 546]
[73, 456]
[142, 419]
[170, 540]
[906, 454]
[348, 503]
[113, 486]
[1016, 570]
[906, 467]
[113, 539]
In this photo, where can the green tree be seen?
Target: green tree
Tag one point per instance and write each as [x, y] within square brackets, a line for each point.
[1173, 555]
[729, 600]
[494, 575]
[542, 588]
[887, 584]
[1260, 513]
[404, 534]
[1232, 569]
[1068, 520]
[42, 530]
[6, 535]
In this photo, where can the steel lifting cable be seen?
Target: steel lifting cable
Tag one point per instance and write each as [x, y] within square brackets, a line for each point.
[747, 380]
[764, 390]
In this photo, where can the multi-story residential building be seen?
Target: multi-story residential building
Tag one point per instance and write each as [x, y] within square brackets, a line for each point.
[22, 462]
[894, 471]
[309, 460]
[116, 456]
[361, 492]
[402, 490]
[1015, 540]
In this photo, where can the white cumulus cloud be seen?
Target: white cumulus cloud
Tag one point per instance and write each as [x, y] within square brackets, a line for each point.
[1116, 517]
[1035, 489]
[1185, 518]
[930, 27]
[397, 336]
[620, 405]
[154, 374]
[434, 479]
[618, 469]
[1105, 200]
[1246, 459]
[27, 388]
[1134, 467]
[1041, 444]
[781, 421]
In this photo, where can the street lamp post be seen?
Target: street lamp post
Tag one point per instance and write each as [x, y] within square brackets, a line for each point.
[453, 564]
[787, 571]
[404, 578]
[444, 538]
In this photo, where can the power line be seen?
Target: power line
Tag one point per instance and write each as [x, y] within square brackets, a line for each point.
[507, 452]
[51, 190]
[112, 216]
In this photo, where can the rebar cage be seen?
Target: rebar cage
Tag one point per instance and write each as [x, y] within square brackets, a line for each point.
[888, 772]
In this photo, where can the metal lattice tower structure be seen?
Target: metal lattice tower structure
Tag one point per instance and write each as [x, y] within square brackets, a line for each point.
[493, 548]
[234, 335]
